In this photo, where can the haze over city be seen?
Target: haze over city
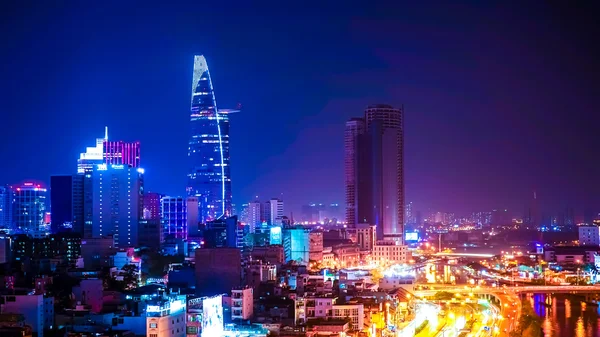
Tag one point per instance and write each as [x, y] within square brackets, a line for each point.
[496, 105]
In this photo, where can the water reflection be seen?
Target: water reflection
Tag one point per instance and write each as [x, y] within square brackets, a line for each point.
[564, 315]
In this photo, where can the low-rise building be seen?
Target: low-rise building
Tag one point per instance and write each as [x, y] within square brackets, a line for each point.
[390, 252]
[571, 254]
[33, 308]
[242, 303]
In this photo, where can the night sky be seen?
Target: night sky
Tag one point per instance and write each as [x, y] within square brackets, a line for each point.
[500, 100]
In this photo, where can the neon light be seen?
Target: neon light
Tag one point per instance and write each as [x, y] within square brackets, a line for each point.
[220, 145]
[153, 308]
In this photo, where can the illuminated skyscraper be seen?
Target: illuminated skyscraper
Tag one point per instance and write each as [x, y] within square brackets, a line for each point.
[6, 215]
[355, 127]
[374, 172]
[122, 153]
[109, 152]
[179, 216]
[29, 208]
[208, 150]
[117, 194]
[272, 212]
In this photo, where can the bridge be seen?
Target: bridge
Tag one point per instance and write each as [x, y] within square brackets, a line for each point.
[454, 254]
[557, 289]
[516, 290]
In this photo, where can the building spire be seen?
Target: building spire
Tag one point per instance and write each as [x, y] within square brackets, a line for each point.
[106, 133]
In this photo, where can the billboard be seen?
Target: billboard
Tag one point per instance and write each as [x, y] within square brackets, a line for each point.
[414, 236]
[212, 316]
[275, 236]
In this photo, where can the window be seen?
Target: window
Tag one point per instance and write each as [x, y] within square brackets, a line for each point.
[153, 335]
[153, 325]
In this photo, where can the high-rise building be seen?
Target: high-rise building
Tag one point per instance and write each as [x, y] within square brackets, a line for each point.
[273, 212]
[209, 178]
[29, 207]
[374, 173]
[121, 153]
[253, 215]
[6, 211]
[152, 206]
[355, 127]
[150, 232]
[61, 202]
[176, 219]
[92, 156]
[221, 232]
[109, 152]
[408, 213]
[82, 203]
[117, 203]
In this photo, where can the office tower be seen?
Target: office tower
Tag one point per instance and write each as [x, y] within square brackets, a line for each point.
[6, 210]
[221, 232]
[254, 215]
[61, 202]
[29, 207]
[150, 228]
[209, 178]
[92, 156]
[109, 152]
[244, 214]
[296, 242]
[150, 233]
[117, 194]
[121, 153]
[408, 213]
[152, 205]
[218, 270]
[174, 217]
[355, 127]
[374, 174]
[82, 203]
[272, 212]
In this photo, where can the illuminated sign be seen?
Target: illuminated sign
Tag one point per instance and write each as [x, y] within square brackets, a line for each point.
[212, 316]
[117, 167]
[140, 170]
[275, 236]
[411, 236]
[176, 306]
[101, 167]
[153, 308]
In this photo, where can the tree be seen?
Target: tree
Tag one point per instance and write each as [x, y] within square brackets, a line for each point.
[443, 296]
[376, 276]
[61, 289]
[130, 276]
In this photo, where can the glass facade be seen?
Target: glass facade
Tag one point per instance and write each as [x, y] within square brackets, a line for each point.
[174, 217]
[208, 150]
[29, 208]
[6, 212]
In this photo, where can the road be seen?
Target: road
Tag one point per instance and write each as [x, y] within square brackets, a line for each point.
[500, 321]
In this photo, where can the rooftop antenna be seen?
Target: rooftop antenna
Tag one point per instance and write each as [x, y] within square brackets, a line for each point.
[106, 133]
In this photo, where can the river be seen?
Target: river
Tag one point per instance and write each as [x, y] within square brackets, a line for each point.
[566, 316]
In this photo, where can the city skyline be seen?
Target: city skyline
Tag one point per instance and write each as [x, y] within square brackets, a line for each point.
[477, 112]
